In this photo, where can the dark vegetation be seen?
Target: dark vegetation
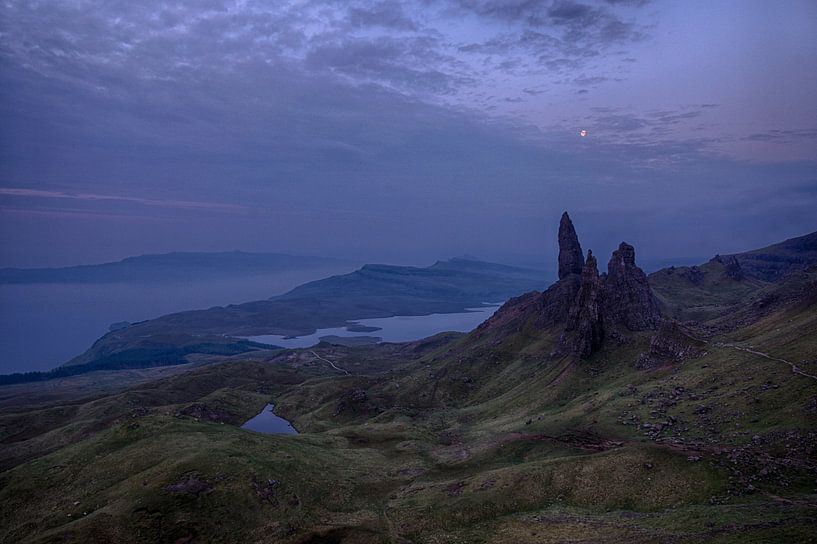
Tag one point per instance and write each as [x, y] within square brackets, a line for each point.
[161, 351]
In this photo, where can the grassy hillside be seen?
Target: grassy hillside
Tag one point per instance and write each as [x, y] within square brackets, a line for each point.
[700, 292]
[775, 261]
[485, 437]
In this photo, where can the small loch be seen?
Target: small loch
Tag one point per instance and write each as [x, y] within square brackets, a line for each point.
[267, 422]
[400, 328]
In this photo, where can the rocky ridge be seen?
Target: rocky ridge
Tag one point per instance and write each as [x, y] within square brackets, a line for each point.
[589, 307]
[606, 305]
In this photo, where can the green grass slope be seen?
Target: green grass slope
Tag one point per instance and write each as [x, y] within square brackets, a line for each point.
[484, 437]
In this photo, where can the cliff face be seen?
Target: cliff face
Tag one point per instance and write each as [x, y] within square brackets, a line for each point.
[584, 332]
[628, 300]
[570, 251]
[614, 303]
[586, 306]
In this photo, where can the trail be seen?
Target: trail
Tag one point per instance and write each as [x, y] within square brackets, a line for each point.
[394, 535]
[794, 368]
[331, 363]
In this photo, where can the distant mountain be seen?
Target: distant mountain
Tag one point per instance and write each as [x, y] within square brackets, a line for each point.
[167, 267]
[464, 282]
[775, 261]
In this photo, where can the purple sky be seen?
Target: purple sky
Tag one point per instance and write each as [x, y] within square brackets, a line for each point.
[404, 132]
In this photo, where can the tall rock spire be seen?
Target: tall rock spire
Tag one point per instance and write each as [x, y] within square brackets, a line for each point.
[571, 258]
[628, 299]
[584, 330]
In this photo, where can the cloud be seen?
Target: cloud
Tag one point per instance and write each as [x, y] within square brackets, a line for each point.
[90, 197]
[553, 38]
[620, 125]
[371, 117]
[782, 136]
[383, 14]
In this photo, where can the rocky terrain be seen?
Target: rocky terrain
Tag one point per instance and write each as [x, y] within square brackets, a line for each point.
[611, 407]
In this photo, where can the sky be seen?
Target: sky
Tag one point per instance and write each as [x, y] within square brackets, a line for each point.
[404, 132]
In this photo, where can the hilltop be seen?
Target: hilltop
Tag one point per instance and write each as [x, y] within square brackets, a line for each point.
[775, 261]
[168, 267]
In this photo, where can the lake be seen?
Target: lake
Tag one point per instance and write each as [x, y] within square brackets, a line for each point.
[267, 422]
[44, 325]
[390, 329]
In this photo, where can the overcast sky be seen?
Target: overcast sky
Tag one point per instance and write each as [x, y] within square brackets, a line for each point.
[404, 132]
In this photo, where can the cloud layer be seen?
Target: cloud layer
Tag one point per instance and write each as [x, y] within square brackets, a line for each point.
[417, 128]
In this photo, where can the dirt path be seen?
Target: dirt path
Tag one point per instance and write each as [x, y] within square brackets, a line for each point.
[394, 535]
[339, 369]
[794, 368]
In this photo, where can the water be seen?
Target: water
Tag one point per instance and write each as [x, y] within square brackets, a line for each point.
[392, 329]
[44, 325]
[267, 422]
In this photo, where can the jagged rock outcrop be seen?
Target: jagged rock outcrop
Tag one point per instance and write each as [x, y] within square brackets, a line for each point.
[608, 305]
[571, 258]
[672, 344]
[584, 332]
[588, 307]
[731, 267]
[628, 299]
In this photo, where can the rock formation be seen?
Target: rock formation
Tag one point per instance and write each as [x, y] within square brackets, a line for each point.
[584, 331]
[607, 305]
[571, 258]
[672, 344]
[586, 306]
[731, 267]
[628, 299]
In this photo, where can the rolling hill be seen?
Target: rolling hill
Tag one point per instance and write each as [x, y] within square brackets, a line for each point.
[372, 291]
[608, 407]
[168, 267]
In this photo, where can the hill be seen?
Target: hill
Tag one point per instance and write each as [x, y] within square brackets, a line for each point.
[775, 261]
[370, 292]
[581, 413]
[178, 266]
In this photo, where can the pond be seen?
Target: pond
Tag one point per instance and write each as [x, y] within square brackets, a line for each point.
[267, 422]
